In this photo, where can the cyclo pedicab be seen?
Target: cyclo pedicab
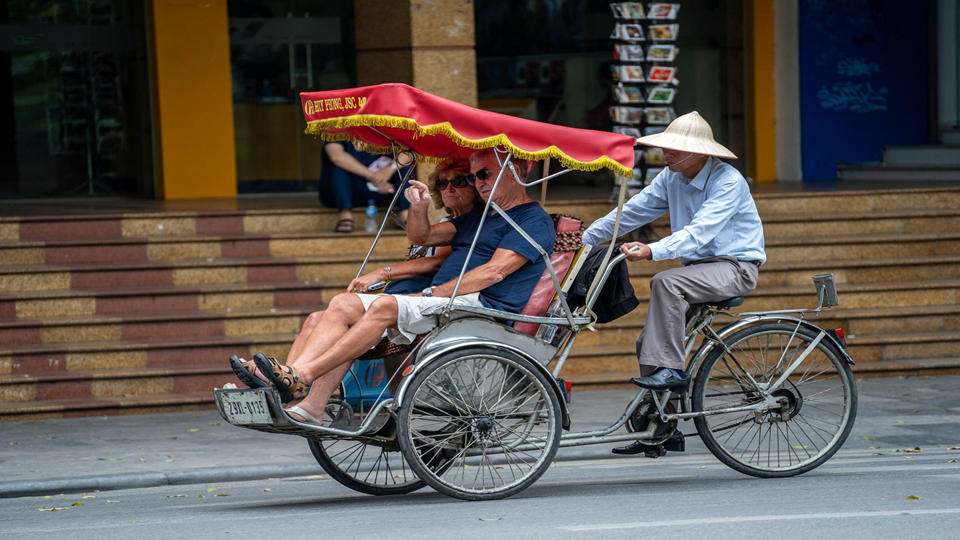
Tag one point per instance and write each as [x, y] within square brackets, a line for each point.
[480, 412]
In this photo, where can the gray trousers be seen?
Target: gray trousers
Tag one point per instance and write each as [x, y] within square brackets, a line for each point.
[677, 294]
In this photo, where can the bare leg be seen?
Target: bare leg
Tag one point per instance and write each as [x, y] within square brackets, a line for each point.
[321, 391]
[345, 311]
[312, 321]
[357, 340]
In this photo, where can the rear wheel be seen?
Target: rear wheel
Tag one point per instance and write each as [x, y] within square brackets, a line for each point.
[371, 465]
[480, 424]
[817, 403]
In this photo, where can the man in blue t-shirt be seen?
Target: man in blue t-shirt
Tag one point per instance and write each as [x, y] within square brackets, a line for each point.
[501, 274]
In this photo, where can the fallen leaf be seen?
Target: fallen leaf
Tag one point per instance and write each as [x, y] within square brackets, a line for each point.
[77, 504]
[951, 410]
[222, 495]
[491, 519]
[175, 496]
[214, 424]
[899, 422]
[172, 438]
[914, 497]
[14, 443]
[879, 454]
[268, 489]
[915, 450]
[111, 459]
[211, 489]
[45, 497]
[193, 430]
[45, 509]
[954, 448]
[952, 461]
[142, 460]
[89, 496]
[703, 467]
[169, 461]
[200, 496]
[873, 447]
[867, 438]
[797, 446]
[109, 501]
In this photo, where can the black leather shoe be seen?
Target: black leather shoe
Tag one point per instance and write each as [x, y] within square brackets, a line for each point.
[663, 379]
[674, 444]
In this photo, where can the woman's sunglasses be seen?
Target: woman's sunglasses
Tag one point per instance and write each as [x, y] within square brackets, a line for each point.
[457, 182]
[463, 181]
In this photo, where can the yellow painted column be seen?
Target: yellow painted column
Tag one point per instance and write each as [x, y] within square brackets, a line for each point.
[761, 105]
[193, 101]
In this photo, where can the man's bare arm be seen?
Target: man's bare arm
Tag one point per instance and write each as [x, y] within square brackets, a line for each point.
[419, 230]
[503, 263]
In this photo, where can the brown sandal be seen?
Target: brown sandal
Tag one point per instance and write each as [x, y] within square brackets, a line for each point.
[286, 379]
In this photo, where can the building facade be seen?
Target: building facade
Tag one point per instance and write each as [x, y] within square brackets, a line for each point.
[170, 100]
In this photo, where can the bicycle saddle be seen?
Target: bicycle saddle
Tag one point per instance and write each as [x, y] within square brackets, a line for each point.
[728, 303]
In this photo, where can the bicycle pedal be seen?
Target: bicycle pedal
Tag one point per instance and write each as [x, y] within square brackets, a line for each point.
[675, 443]
[656, 452]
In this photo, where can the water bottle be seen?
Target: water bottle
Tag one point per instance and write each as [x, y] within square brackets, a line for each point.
[370, 221]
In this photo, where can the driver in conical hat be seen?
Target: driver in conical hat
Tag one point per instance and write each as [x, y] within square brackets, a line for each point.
[717, 236]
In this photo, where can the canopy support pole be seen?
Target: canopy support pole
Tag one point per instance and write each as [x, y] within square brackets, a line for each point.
[393, 202]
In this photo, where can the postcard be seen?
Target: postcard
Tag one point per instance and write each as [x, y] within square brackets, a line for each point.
[628, 53]
[663, 11]
[659, 115]
[661, 74]
[626, 115]
[628, 94]
[631, 73]
[615, 73]
[629, 32]
[632, 10]
[617, 9]
[654, 156]
[661, 53]
[662, 96]
[631, 131]
[664, 32]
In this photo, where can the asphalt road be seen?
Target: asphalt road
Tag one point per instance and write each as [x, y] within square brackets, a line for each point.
[856, 495]
[861, 493]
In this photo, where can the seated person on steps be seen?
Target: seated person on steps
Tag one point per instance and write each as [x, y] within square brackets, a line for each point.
[502, 273]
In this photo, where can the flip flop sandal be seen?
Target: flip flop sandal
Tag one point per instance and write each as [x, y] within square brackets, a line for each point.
[344, 226]
[308, 418]
[286, 381]
[244, 372]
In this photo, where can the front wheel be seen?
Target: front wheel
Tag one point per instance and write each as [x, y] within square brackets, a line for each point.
[817, 403]
[479, 424]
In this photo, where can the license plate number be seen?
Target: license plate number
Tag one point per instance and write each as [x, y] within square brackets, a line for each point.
[246, 407]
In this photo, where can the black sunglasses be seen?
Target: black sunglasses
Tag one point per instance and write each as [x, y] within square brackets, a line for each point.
[457, 181]
[482, 174]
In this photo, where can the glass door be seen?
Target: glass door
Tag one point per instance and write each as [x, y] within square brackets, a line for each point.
[278, 49]
[73, 84]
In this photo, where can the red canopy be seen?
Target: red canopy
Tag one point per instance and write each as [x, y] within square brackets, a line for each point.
[436, 128]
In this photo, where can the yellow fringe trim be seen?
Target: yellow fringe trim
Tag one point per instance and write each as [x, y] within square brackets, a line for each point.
[319, 127]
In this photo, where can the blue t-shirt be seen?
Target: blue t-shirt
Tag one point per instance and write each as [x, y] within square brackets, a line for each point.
[514, 291]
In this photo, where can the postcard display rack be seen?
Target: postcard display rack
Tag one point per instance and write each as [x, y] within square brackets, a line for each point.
[644, 76]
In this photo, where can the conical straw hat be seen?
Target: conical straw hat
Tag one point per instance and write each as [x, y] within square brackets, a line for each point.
[688, 133]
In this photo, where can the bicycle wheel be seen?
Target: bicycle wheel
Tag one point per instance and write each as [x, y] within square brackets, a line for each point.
[368, 465]
[817, 403]
[479, 424]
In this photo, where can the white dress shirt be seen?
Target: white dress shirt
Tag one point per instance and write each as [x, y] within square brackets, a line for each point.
[712, 215]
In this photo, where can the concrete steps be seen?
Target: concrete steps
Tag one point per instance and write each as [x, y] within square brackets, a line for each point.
[128, 313]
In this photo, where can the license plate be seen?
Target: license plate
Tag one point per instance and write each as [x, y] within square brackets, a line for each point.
[246, 407]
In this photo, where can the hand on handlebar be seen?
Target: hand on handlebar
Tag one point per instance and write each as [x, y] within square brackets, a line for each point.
[636, 251]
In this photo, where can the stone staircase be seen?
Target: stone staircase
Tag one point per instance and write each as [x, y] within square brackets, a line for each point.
[125, 314]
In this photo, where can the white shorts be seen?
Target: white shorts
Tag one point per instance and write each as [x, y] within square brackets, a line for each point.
[417, 314]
